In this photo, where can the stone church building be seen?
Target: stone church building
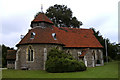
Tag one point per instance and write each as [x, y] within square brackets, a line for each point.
[43, 36]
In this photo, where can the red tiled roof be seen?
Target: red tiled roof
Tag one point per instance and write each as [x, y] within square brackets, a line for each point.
[84, 51]
[11, 54]
[70, 37]
[42, 17]
[42, 35]
[73, 37]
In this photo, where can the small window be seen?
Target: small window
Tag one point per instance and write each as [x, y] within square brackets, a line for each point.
[54, 36]
[34, 25]
[37, 24]
[32, 35]
[79, 53]
[68, 51]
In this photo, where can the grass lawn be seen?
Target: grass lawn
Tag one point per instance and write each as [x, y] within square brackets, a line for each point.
[109, 70]
[0, 73]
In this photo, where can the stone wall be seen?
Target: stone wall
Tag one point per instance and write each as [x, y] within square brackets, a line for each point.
[40, 56]
[10, 64]
[90, 59]
[93, 57]
[73, 52]
[41, 24]
[39, 59]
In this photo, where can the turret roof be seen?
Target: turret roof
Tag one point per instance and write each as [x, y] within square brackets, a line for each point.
[42, 18]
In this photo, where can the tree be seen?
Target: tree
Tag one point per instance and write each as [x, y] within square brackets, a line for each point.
[62, 16]
[111, 47]
[4, 54]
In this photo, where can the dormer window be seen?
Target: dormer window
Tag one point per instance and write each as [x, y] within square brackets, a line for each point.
[54, 36]
[32, 35]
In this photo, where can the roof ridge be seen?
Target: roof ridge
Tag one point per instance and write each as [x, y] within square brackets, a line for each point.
[75, 28]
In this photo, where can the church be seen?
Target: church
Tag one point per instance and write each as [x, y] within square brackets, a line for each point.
[44, 35]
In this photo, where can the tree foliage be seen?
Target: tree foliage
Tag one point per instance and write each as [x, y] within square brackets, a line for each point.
[4, 54]
[111, 47]
[62, 16]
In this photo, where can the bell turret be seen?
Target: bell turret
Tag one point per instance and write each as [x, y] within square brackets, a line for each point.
[41, 20]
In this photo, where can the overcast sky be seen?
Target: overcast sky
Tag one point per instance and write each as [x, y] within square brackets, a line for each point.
[16, 16]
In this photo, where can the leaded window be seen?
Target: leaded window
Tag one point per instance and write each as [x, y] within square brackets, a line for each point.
[30, 54]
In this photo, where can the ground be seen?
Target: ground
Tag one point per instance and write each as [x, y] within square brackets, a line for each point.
[109, 70]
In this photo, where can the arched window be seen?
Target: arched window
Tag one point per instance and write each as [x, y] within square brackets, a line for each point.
[93, 54]
[30, 54]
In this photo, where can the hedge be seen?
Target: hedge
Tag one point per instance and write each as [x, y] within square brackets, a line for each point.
[59, 62]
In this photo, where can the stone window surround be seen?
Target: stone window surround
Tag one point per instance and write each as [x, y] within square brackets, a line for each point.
[27, 53]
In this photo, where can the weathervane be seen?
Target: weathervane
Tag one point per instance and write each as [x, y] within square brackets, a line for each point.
[41, 8]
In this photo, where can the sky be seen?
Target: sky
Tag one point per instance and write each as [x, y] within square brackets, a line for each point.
[16, 16]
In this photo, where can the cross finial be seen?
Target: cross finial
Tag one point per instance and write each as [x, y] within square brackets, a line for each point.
[41, 8]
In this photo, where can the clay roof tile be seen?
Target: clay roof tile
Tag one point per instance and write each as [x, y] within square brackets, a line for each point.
[42, 18]
[70, 37]
[11, 54]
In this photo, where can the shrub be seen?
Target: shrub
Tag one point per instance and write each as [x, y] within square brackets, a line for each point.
[58, 61]
[82, 66]
[109, 58]
[58, 53]
[117, 57]
[51, 64]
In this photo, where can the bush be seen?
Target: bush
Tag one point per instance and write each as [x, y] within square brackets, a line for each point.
[109, 59]
[117, 57]
[58, 53]
[82, 66]
[58, 61]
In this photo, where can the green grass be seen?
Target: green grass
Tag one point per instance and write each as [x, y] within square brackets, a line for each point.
[0, 73]
[109, 70]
